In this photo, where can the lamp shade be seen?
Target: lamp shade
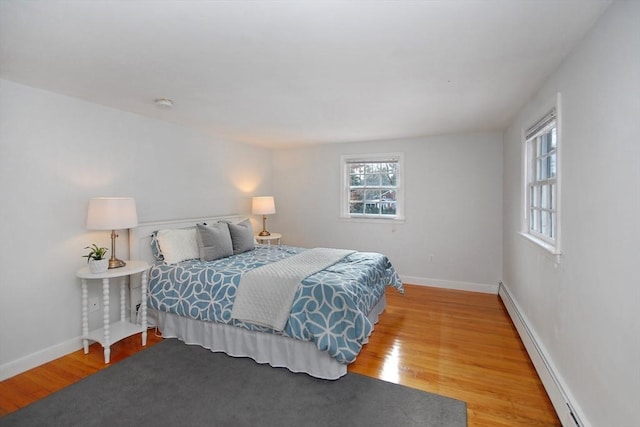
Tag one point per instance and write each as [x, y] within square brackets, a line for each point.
[112, 213]
[264, 205]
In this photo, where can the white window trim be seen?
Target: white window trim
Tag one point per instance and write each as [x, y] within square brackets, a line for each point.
[344, 187]
[553, 248]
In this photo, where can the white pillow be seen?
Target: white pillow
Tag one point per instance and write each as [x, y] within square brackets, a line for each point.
[178, 245]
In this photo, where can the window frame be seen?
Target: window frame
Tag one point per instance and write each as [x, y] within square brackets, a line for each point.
[531, 181]
[345, 187]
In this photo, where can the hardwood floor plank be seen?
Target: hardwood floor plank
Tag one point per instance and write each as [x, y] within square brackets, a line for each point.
[454, 343]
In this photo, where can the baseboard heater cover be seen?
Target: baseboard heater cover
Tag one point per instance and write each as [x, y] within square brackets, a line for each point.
[548, 374]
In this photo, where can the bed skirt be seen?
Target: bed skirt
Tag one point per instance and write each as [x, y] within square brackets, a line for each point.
[276, 350]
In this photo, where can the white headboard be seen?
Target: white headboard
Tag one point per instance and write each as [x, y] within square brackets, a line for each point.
[140, 237]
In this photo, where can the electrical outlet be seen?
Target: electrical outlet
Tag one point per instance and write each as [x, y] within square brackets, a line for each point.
[94, 304]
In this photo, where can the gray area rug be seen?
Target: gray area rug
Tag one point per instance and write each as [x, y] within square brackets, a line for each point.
[174, 384]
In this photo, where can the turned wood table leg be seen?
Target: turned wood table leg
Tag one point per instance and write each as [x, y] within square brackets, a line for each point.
[123, 302]
[85, 317]
[143, 306]
[105, 303]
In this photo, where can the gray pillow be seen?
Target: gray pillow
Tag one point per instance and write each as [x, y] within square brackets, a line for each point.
[214, 241]
[241, 236]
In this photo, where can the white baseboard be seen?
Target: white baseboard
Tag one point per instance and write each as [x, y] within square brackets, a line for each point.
[448, 284]
[38, 358]
[567, 409]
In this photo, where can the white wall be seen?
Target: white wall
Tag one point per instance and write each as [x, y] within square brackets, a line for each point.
[57, 152]
[453, 207]
[585, 310]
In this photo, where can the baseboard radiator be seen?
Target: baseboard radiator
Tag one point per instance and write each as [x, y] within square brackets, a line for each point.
[549, 376]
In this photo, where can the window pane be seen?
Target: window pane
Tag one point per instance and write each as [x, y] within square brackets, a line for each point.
[356, 168]
[538, 170]
[552, 165]
[535, 199]
[372, 208]
[391, 167]
[388, 195]
[546, 223]
[356, 180]
[372, 195]
[544, 199]
[372, 168]
[531, 196]
[356, 195]
[356, 208]
[372, 180]
[393, 179]
[388, 208]
[535, 220]
[553, 138]
[553, 197]
[544, 168]
[544, 144]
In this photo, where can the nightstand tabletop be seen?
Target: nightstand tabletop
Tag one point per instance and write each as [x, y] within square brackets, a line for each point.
[132, 267]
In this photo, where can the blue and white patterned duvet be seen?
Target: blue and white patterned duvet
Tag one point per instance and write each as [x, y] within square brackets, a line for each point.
[330, 307]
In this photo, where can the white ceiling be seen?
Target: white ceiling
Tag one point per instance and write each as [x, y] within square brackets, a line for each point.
[284, 73]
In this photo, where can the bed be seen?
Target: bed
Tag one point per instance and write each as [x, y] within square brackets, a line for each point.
[330, 318]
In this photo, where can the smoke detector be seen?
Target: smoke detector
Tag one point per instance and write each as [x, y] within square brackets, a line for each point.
[163, 102]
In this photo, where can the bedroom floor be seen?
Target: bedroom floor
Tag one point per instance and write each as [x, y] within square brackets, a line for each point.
[462, 345]
[454, 343]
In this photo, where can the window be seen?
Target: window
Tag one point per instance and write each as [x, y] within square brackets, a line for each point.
[541, 169]
[372, 186]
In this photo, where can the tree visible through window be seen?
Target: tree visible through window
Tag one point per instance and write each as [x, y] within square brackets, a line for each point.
[372, 187]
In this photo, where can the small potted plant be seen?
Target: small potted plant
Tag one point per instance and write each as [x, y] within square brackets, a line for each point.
[96, 259]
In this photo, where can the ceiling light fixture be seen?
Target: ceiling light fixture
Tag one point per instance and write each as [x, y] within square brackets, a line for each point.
[163, 102]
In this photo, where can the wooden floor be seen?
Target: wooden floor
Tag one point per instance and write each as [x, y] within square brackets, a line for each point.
[454, 343]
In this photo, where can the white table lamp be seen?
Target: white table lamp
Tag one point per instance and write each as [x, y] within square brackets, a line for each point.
[264, 206]
[112, 213]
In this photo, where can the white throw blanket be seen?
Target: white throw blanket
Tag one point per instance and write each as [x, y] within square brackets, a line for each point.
[266, 293]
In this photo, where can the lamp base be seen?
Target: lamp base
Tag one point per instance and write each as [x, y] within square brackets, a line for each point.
[116, 263]
[264, 231]
[113, 261]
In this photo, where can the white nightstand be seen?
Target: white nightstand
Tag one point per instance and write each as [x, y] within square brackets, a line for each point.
[113, 332]
[273, 237]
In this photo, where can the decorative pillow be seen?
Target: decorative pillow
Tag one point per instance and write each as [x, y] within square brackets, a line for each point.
[178, 245]
[241, 236]
[155, 247]
[214, 241]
